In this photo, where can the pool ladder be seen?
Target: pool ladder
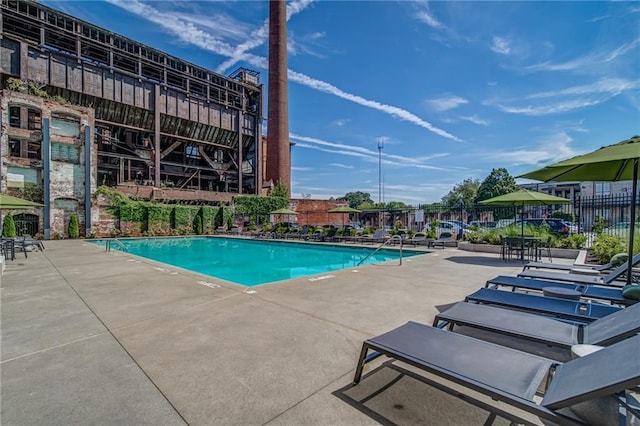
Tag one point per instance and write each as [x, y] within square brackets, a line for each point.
[117, 242]
[393, 237]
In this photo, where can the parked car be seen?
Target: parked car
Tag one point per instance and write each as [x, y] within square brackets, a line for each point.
[482, 225]
[504, 222]
[457, 231]
[557, 226]
[622, 225]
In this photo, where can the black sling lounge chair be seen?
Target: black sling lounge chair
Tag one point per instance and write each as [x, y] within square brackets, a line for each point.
[609, 294]
[508, 375]
[577, 278]
[572, 310]
[569, 268]
[602, 332]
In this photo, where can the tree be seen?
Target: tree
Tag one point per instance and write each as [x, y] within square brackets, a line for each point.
[356, 199]
[197, 224]
[8, 226]
[280, 190]
[462, 194]
[499, 182]
[73, 227]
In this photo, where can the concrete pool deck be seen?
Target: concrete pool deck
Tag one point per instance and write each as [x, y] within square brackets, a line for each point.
[90, 337]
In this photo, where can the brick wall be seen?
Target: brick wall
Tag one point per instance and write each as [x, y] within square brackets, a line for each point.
[314, 212]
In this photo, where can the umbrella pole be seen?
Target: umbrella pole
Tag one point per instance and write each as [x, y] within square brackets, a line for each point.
[632, 227]
[522, 233]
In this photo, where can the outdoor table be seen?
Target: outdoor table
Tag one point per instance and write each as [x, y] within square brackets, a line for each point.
[561, 293]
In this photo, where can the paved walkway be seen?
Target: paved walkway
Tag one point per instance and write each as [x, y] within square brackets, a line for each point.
[90, 337]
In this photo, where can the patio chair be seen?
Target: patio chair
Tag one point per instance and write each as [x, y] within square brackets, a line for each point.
[609, 294]
[8, 248]
[572, 310]
[602, 332]
[511, 246]
[465, 365]
[578, 278]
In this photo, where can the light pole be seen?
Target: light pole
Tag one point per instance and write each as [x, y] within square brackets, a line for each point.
[380, 146]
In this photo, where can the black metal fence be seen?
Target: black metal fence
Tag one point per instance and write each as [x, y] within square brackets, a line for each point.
[608, 213]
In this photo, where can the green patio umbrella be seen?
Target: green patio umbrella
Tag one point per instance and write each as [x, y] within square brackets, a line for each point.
[7, 202]
[608, 164]
[285, 211]
[523, 198]
[343, 210]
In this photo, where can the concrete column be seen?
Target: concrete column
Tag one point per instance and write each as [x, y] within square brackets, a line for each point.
[87, 180]
[156, 134]
[240, 159]
[278, 150]
[46, 172]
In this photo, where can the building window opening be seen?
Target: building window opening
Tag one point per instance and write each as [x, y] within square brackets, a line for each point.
[14, 116]
[192, 152]
[602, 188]
[15, 146]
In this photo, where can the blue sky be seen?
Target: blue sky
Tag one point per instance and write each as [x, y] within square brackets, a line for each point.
[452, 89]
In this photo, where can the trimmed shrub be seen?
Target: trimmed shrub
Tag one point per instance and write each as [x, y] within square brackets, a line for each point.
[73, 231]
[197, 225]
[605, 246]
[8, 226]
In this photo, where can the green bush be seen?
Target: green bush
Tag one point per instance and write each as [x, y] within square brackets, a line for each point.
[564, 216]
[197, 225]
[8, 226]
[598, 225]
[574, 241]
[73, 227]
[605, 246]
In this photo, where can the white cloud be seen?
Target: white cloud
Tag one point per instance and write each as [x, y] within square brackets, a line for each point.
[550, 148]
[588, 61]
[427, 18]
[342, 166]
[340, 122]
[259, 36]
[188, 33]
[447, 103]
[607, 86]
[475, 120]
[572, 98]
[500, 45]
[301, 169]
[366, 154]
[388, 109]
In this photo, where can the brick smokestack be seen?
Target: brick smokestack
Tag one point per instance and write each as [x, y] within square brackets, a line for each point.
[278, 165]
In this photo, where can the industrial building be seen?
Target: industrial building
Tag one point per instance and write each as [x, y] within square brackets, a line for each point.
[82, 106]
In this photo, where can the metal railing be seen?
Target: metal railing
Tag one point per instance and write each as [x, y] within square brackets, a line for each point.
[393, 237]
[116, 242]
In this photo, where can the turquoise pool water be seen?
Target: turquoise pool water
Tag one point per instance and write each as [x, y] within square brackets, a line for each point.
[253, 262]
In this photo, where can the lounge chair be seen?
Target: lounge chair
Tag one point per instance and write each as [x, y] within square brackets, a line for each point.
[602, 332]
[376, 237]
[577, 278]
[507, 375]
[571, 268]
[609, 294]
[445, 239]
[420, 238]
[572, 310]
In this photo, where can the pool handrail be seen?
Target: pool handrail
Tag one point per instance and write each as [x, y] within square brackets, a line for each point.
[393, 237]
[117, 242]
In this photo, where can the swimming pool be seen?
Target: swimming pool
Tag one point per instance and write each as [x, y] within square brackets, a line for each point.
[253, 262]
